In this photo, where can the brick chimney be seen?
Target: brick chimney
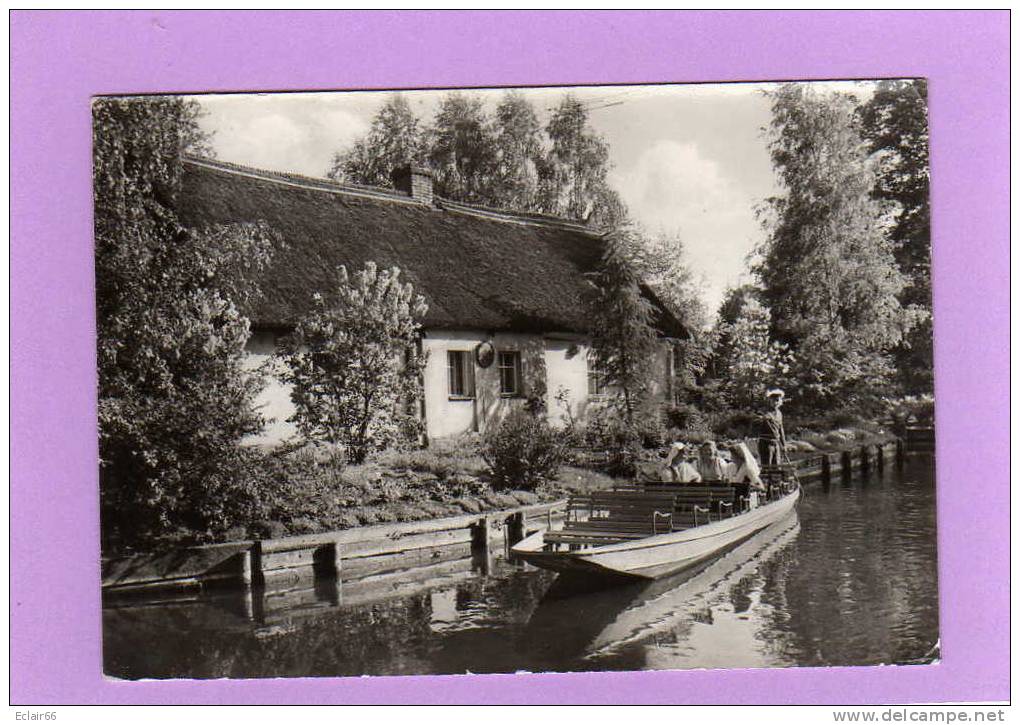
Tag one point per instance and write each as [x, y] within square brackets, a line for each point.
[415, 181]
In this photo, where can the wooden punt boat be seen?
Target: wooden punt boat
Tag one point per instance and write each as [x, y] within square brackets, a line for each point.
[653, 530]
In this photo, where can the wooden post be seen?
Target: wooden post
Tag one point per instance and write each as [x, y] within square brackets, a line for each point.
[246, 568]
[847, 463]
[480, 545]
[480, 534]
[880, 456]
[248, 603]
[865, 460]
[826, 469]
[257, 575]
[900, 453]
[517, 529]
[337, 560]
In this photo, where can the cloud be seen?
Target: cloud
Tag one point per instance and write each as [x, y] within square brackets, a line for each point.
[286, 132]
[672, 187]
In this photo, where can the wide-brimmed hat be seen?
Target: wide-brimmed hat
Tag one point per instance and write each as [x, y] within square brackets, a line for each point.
[775, 393]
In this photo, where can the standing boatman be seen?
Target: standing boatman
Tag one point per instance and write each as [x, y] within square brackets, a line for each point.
[772, 437]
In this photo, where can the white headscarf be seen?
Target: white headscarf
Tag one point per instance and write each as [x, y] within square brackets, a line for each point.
[748, 469]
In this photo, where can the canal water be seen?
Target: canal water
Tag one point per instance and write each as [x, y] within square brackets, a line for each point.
[848, 579]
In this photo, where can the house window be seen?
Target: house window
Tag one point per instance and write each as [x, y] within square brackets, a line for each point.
[596, 381]
[462, 374]
[510, 373]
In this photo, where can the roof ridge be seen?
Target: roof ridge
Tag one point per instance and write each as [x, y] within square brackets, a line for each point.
[388, 194]
[316, 182]
[523, 217]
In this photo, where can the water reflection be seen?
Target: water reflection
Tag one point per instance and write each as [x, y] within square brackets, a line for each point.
[847, 579]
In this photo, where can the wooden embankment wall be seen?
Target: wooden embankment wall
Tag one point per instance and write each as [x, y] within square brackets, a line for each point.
[863, 458]
[347, 554]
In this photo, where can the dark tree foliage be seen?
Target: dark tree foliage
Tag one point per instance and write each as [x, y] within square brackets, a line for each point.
[506, 161]
[827, 267]
[623, 341]
[580, 165]
[460, 150]
[520, 159]
[395, 138]
[733, 302]
[895, 125]
[174, 398]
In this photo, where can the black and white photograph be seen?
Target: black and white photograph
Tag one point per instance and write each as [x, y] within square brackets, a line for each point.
[511, 380]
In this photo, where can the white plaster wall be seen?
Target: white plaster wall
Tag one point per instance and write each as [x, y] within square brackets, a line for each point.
[566, 365]
[274, 401]
[449, 417]
[445, 417]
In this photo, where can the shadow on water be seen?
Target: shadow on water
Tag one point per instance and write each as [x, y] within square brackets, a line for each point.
[849, 578]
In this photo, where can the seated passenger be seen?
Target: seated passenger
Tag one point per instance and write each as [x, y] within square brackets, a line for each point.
[710, 465]
[680, 468]
[744, 468]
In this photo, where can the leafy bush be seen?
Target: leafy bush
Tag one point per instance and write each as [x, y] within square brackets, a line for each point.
[607, 431]
[687, 417]
[523, 452]
[651, 430]
[740, 424]
[911, 408]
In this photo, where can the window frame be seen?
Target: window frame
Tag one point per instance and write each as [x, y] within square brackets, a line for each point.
[466, 377]
[518, 373]
[597, 386]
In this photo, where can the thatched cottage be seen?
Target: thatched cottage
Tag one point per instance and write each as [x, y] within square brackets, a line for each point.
[505, 319]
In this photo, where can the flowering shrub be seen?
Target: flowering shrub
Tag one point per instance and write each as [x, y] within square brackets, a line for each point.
[354, 365]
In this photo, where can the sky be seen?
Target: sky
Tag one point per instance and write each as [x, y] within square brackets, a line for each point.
[688, 160]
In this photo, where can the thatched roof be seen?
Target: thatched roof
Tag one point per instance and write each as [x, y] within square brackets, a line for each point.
[477, 268]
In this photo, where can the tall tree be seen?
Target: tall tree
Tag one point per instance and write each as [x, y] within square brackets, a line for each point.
[622, 337]
[395, 138]
[751, 361]
[895, 124]
[174, 397]
[827, 267]
[461, 149]
[517, 138]
[579, 168]
[660, 262]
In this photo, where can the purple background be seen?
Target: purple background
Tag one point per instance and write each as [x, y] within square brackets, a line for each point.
[58, 60]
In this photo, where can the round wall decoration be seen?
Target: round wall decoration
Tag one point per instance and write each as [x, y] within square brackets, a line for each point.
[485, 353]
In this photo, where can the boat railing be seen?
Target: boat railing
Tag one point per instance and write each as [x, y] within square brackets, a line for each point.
[667, 516]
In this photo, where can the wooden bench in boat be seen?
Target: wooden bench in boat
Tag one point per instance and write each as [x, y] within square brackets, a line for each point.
[603, 517]
[700, 503]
